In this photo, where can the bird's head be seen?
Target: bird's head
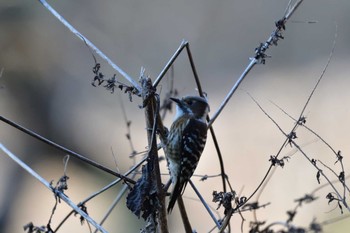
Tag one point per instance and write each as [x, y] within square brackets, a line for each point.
[195, 106]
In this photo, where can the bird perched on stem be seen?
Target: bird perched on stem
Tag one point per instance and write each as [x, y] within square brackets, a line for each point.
[185, 142]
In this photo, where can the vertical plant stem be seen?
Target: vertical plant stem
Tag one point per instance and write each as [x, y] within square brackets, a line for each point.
[185, 220]
[151, 113]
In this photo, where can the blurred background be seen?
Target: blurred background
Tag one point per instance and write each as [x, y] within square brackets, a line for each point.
[46, 87]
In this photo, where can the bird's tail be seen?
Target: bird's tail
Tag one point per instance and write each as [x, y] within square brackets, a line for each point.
[177, 191]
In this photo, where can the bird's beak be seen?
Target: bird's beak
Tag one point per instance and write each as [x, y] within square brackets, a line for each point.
[176, 100]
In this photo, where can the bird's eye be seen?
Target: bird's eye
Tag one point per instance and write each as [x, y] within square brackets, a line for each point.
[189, 102]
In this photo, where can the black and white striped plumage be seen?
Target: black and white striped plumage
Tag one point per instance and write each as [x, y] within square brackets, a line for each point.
[186, 141]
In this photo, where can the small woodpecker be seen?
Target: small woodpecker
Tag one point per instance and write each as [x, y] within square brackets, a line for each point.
[185, 142]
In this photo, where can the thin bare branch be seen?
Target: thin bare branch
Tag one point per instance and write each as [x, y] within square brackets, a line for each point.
[114, 204]
[306, 127]
[252, 63]
[59, 147]
[205, 204]
[303, 109]
[185, 220]
[261, 190]
[221, 160]
[307, 157]
[259, 57]
[337, 154]
[183, 44]
[323, 72]
[226, 221]
[114, 182]
[289, 13]
[60, 194]
[337, 175]
[90, 197]
[277, 154]
[90, 44]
